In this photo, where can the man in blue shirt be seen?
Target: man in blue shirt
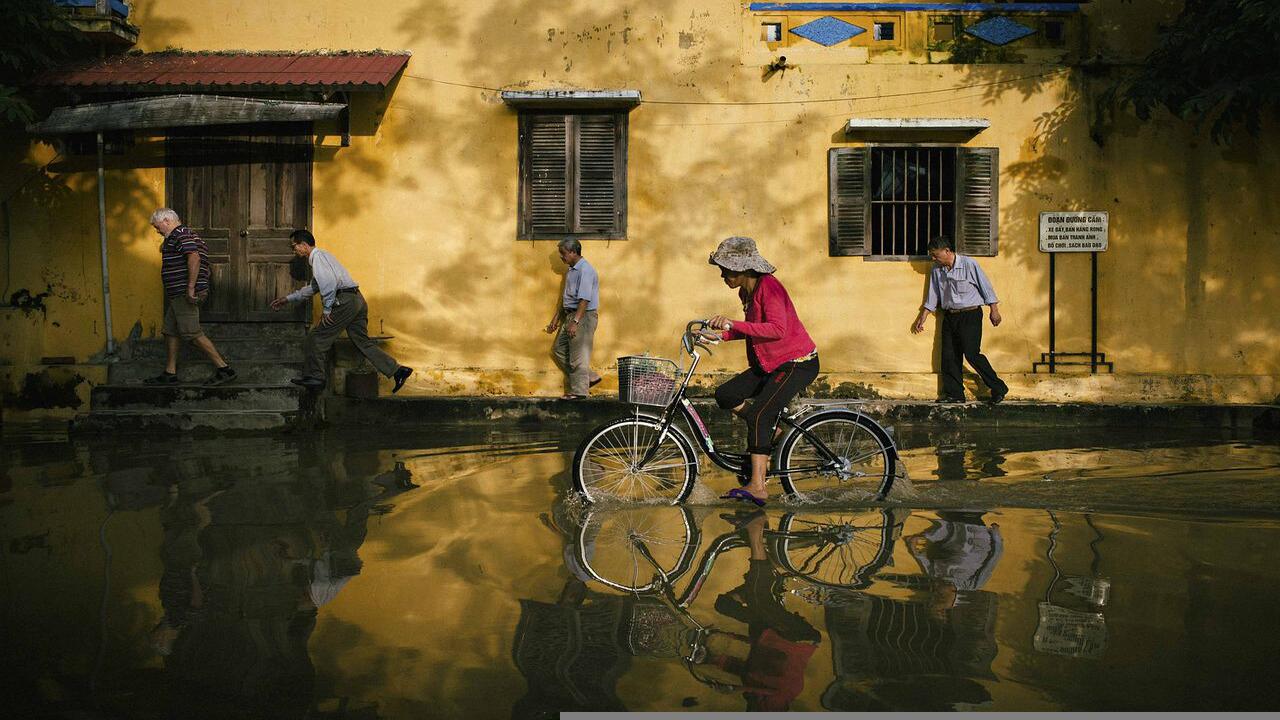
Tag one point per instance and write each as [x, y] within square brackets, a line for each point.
[576, 320]
[958, 289]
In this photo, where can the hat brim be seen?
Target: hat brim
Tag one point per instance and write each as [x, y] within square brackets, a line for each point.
[742, 264]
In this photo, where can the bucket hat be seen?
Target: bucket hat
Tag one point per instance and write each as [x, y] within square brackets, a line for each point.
[739, 254]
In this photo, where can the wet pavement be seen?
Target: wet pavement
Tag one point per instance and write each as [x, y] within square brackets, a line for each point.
[445, 574]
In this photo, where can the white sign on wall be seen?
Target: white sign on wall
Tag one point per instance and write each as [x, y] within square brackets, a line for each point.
[1073, 231]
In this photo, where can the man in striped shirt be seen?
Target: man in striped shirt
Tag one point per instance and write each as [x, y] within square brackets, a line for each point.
[184, 272]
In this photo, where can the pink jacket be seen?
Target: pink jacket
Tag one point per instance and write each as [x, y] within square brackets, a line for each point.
[773, 331]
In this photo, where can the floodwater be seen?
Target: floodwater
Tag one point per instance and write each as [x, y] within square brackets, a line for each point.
[444, 574]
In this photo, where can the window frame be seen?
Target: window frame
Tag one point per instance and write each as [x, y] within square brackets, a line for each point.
[968, 205]
[573, 190]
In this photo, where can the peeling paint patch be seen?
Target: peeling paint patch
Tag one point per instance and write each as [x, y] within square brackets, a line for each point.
[44, 390]
[844, 391]
[28, 303]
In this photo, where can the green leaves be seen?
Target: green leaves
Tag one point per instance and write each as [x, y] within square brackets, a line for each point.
[34, 38]
[1217, 65]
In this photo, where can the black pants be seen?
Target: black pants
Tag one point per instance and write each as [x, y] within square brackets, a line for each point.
[771, 393]
[962, 338]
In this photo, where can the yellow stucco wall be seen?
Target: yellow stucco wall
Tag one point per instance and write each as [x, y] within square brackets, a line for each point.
[422, 206]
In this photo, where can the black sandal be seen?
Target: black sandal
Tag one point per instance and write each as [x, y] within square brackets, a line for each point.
[164, 378]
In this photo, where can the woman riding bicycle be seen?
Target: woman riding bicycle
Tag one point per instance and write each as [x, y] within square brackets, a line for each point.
[783, 358]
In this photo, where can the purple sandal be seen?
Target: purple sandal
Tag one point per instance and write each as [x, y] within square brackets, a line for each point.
[742, 494]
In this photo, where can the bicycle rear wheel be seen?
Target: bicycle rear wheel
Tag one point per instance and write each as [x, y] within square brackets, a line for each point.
[614, 545]
[610, 463]
[863, 464]
[840, 550]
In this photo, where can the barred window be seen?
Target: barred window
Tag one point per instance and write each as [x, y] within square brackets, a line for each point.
[889, 201]
[912, 198]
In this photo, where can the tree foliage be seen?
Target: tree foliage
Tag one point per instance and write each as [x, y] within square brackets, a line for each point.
[1217, 65]
[34, 37]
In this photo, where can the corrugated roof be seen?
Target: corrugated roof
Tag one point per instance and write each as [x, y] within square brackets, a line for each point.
[234, 71]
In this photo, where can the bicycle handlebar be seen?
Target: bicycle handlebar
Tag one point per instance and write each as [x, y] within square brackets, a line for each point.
[694, 336]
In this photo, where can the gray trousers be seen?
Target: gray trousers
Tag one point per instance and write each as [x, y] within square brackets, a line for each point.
[352, 315]
[573, 354]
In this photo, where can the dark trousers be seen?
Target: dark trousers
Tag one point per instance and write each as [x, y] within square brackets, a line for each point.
[352, 315]
[962, 338]
[771, 393]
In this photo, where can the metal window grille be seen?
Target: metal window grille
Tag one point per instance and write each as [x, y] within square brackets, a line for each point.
[912, 198]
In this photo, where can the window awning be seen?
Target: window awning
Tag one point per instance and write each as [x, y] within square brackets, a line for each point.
[571, 99]
[973, 125]
[240, 72]
[180, 111]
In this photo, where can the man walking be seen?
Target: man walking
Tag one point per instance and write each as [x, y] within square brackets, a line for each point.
[576, 320]
[958, 289]
[184, 272]
[344, 308]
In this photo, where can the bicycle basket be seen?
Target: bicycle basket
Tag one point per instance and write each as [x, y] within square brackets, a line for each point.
[644, 380]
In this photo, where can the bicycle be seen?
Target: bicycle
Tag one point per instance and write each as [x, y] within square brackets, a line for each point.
[825, 453]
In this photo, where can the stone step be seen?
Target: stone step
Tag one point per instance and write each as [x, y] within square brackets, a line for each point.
[118, 422]
[238, 349]
[239, 330]
[175, 398]
[195, 373]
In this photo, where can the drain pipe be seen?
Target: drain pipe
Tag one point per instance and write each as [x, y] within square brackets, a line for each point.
[102, 240]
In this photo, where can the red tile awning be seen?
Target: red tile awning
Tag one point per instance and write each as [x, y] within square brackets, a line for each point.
[180, 72]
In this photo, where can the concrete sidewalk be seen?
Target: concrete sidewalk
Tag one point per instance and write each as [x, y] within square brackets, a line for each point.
[410, 411]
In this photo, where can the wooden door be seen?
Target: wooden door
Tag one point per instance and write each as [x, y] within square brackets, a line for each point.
[244, 194]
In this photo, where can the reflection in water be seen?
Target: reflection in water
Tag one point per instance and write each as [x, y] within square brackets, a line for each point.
[246, 564]
[278, 584]
[645, 551]
[923, 655]
[1074, 626]
[245, 570]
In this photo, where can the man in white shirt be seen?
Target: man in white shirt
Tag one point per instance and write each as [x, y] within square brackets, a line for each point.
[958, 288]
[344, 309]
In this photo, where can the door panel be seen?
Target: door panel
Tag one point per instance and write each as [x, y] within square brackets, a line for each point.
[279, 188]
[244, 194]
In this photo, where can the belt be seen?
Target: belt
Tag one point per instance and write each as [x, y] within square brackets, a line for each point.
[355, 289]
[806, 358]
[572, 310]
[963, 309]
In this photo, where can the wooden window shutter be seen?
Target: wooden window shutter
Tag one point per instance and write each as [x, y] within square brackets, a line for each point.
[849, 183]
[977, 201]
[544, 196]
[600, 183]
[573, 176]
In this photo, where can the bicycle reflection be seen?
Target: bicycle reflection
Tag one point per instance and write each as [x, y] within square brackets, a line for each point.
[572, 652]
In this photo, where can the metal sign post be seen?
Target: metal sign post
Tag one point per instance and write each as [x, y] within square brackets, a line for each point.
[1073, 232]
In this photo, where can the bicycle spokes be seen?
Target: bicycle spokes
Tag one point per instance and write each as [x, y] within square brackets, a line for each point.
[636, 461]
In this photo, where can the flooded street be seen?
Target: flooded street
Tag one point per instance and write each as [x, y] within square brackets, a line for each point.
[445, 574]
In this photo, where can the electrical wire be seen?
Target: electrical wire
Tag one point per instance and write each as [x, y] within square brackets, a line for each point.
[753, 103]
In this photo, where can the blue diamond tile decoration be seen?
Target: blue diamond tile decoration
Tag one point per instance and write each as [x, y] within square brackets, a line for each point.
[999, 31]
[828, 31]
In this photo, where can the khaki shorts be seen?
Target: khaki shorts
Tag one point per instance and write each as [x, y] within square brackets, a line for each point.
[182, 318]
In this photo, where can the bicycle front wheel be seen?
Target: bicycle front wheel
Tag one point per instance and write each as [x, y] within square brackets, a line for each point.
[840, 456]
[630, 459]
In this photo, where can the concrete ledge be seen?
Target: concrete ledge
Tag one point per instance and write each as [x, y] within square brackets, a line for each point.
[408, 412]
